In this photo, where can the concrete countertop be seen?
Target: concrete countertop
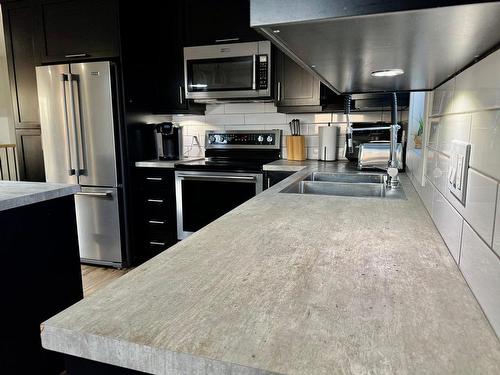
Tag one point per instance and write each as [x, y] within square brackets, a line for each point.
[20, 193]
[155, 163]
[284, 165]
[291, 284]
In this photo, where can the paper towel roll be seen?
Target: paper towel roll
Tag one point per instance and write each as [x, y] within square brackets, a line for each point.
[327, 143]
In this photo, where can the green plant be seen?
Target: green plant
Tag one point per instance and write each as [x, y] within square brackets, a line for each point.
[421, 123]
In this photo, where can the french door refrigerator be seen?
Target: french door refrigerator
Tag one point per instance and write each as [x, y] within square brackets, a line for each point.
[78, 138]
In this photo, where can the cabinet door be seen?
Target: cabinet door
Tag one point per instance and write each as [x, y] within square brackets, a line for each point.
[22, 59]
[30, 155]
[78, 29]
[218, 21]
[294, 85]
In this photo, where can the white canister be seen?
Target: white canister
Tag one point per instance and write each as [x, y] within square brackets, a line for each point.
[327, 150]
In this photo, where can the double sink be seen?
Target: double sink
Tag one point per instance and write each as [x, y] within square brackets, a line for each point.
[367, 185]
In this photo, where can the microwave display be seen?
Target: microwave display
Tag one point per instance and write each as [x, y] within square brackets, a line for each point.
[231, 73]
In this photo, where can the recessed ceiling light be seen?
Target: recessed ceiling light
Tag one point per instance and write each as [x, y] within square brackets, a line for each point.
[276, 31]
[387, 72]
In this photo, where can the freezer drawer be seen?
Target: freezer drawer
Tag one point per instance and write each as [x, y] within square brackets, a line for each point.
[98, 221]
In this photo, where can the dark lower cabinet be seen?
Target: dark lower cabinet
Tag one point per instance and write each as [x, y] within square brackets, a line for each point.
[82, 366]
[40, 277]
[154, 211]
[273, 177]
[30, 155]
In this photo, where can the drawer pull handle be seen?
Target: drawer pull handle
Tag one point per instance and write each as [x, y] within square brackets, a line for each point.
[156, 222]
[157, 243]
[154, 178]
[76, 55]
[155, 200]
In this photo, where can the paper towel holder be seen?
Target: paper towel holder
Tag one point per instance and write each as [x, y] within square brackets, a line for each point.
[327, 150]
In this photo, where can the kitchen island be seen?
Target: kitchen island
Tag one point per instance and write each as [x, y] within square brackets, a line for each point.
[41, 270]
[290, 284]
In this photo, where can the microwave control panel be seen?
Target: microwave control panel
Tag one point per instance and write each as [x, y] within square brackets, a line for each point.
[262, 71]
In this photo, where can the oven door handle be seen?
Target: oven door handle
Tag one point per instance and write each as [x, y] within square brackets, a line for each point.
[217, 177]
[254, 73]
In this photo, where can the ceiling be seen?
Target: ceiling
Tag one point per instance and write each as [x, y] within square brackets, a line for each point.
[430, 44]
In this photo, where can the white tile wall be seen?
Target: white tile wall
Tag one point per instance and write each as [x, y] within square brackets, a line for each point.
[496, 239]
[249, 116]
[485, 143]
[479, 210]
[479, 86]
[467, 108]
[454, 127]
[481, 268]
[449, 223]
[443, 98]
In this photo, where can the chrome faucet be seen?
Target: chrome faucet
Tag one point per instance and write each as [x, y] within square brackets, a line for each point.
[393, 165]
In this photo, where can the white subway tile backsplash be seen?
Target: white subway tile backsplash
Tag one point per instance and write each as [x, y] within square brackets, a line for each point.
[214, 109]
[428, 195]
[481, 268]
[454, 127]
[442, 101]
[434, 126]
[496, 238]
[449, 223]
[244, 108]
[225, 119]
[479, 210]
[265, 118]
[312, 153]
[479, 86]
[485, 143]
[312, 141]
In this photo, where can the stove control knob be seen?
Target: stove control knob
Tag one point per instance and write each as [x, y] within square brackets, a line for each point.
[211, 139]
[260, 138]
[269, 138]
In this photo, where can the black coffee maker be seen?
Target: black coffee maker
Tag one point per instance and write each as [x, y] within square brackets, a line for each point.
[168, 141]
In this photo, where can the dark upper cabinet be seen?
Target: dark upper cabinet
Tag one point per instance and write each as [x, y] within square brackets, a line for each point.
[294, 85]
[298, 91]
[77, 29]
[19, 27]
[218, 21]
[152, 40]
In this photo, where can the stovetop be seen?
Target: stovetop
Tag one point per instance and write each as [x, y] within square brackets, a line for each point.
[237, 151]
[226, 165]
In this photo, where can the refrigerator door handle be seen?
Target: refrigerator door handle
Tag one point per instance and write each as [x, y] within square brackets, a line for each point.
[73, 122]
[106, 194]
[71, 170]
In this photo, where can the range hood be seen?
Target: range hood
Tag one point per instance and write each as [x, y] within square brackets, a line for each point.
[343, 41]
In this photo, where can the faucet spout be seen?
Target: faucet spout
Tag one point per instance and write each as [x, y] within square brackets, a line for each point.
[393, 165]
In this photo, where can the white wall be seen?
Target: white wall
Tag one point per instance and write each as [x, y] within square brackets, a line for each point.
[467, 108]
[6, 118]
[240, 116]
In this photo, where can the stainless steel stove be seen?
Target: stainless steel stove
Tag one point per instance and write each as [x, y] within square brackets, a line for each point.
[230, 174]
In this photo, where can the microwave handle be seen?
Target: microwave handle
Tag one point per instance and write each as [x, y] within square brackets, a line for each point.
[254, 75]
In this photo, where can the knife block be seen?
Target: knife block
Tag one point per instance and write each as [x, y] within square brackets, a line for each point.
[296, 147]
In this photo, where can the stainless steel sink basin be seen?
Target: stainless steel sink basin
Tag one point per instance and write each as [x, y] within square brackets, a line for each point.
[345, 185]
[348, 177]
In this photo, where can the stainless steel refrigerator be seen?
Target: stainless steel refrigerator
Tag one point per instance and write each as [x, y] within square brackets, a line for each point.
[78, 139]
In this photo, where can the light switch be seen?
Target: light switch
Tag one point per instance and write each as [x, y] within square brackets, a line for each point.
[459, 164]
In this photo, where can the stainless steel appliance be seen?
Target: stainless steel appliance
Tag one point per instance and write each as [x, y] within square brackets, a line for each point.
[228, 71]
[377, 154]
[230, 174]
[168, 141]
[77, 116]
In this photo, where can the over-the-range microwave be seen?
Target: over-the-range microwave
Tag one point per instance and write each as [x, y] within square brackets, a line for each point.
[228, 71]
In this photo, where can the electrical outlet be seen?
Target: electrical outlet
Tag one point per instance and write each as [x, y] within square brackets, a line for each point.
[459, 165]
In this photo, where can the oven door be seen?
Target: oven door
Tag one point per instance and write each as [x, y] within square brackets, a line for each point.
[202, 197]
[239, 70]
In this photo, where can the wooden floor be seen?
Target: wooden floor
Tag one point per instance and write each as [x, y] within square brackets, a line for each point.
[95, 278]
